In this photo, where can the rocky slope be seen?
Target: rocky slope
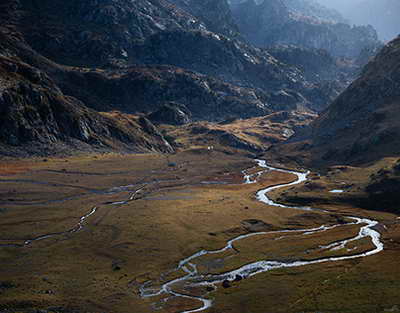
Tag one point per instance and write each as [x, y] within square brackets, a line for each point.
[38, 117]
[362, 124]
[144, 89]
[267, 23]
[138, 56]
[196, 36]
[35, 117]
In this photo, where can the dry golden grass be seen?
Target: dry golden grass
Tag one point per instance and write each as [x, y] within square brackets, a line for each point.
[100, 268]
[260, 132]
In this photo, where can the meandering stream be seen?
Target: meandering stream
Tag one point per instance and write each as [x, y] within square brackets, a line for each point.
[193, 278]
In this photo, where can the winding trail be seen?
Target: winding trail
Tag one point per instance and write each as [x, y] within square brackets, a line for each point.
[193, 278]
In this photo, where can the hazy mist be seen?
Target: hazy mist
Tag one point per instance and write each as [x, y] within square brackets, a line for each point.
[382, 14]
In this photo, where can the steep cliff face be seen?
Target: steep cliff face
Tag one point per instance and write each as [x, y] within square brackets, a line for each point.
[293, 22]
[363, 123]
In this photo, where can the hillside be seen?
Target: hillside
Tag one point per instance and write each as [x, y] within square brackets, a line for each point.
[361, 125]
[134, 58]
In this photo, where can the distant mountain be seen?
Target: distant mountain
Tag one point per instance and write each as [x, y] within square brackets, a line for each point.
[313, 10]
[382, 14]
[301, 23]
[362, 124]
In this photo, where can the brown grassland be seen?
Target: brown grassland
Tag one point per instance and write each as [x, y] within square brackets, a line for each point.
[183, 203]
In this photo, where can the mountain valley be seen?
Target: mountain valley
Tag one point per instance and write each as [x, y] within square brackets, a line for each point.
[182, 156]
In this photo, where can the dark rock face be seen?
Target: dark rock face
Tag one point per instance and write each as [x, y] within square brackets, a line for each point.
[171, 113]
[273, 22]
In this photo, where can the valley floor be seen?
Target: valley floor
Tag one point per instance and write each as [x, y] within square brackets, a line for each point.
[85, 234]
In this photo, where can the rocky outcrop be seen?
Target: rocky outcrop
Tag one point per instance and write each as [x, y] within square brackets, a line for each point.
[171, 113]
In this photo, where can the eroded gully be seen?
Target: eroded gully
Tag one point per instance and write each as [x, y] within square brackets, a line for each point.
[192, 277]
